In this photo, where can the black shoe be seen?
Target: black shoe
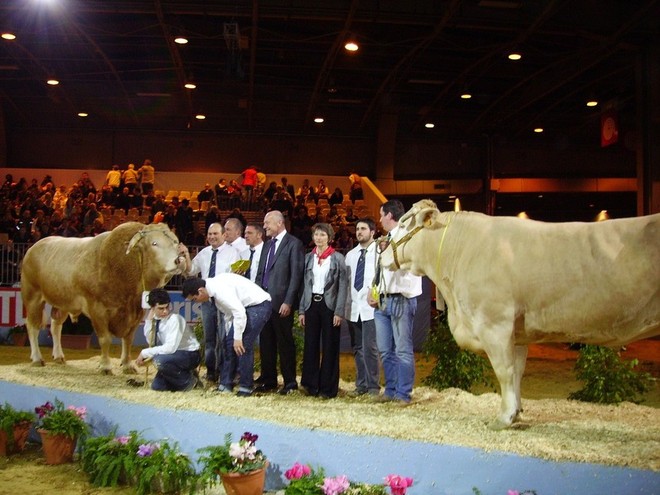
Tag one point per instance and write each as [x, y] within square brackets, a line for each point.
[259, 380]
[243, 393]
[265, 389]
[286, 390]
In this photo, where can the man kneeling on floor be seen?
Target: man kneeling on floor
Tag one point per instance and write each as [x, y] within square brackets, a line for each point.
[173, 348]
[247, 308]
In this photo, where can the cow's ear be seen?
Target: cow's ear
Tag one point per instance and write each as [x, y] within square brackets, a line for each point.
[429, 218]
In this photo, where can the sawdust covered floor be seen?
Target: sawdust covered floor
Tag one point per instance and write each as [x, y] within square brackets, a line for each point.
[552, 429]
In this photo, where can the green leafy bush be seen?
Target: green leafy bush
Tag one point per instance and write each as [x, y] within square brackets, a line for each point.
[455, 367]
[608, 379]
[109, 460]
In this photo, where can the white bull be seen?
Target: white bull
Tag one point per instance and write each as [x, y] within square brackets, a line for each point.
[509, 282]
[102, 277]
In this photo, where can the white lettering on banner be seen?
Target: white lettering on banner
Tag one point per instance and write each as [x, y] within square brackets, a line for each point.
[11, 307]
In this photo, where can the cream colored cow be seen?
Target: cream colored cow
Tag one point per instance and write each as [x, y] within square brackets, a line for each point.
[509, 282]
[102, 277]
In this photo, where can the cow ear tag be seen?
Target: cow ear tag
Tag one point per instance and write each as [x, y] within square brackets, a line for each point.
[145, 299]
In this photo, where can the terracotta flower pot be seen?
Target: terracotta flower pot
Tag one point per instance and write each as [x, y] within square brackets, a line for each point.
[20, 432]
[58, 449]
[251, 483]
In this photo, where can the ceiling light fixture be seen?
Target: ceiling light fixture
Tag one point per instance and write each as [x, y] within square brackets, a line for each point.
[83, 114]
[200, 116]
[181, 40]
[351, 44]
[8, 36]
[190, 85]
[466, 95]
[429, 125]
[319, 120]
[52, 82]
[514, 56]
[592, 102]
[538, 130]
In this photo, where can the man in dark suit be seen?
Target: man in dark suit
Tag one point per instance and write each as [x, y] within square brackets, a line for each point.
[280, 274]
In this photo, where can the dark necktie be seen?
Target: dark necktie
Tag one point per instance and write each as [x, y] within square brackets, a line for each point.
[359, 271]
[269, 262]
[247, 273]
[156, 325]
[212, 267]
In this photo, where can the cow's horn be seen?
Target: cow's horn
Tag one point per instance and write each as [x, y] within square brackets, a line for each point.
[135, 239]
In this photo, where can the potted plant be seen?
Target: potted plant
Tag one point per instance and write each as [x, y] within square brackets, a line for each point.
[151, 467]
[162, 468]
[60, 427]
[14, 428]
[18, 335]
[240, 465]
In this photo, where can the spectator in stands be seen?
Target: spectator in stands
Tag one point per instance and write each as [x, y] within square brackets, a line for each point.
[235, 193]
[305, 192]
[149, 200]
[222, 193]
[147, 176]
[249, 182]
[206, 194]
[130, 177]
[350, 217]
[282, 203]
[23, 234]
[270, 192]
[67, 229]
[355, 192]
[261, 181]
[344, 240]
[86, 183]
[183, 219]
[169, 216]
[47, 180]
[337, 197]
[137, 201]
[159, 204]
[301, 225]
[322, 191]
[113, 179]
[97, 227]
[288, 187]
[212, 216]
[107, 196]
[234, 234]
[91, 215]
[333, 216]
[123, 200]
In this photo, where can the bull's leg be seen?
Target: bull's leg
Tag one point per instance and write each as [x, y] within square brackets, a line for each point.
[57, 318]
[520, 359]
[105, 340]
[33, 323]
[501, 355]
[128, 366]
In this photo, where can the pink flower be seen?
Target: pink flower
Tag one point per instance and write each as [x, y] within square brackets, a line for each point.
[123, 440]
[81, 411]
[398, 484]
[297, 471]
[334, 486]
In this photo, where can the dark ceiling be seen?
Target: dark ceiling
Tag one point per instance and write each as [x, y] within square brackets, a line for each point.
[271, 66]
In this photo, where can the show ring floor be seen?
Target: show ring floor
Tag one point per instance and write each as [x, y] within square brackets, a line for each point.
[435, 468]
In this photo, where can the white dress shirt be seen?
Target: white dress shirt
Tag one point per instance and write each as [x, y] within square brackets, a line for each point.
[223, 260]
[240, 244]
[173, 335]
[360, 309]
[233, 293]
[254, 267]
[400, 281]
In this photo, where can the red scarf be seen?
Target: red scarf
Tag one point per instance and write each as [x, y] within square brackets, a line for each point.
[325, 254]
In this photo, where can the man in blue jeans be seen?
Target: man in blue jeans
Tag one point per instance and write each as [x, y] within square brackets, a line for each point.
[246, 308]
[394, 315]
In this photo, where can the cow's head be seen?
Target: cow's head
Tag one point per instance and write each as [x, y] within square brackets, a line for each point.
[399, 251]
[158, 247]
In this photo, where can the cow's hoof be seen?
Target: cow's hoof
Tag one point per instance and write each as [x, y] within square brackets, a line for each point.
[129, 369]
[106, 371]
[60, 360]
[39, 363]
[498, 425]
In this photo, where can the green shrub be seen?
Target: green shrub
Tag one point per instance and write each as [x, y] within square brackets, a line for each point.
[608, 379]
[455, 367]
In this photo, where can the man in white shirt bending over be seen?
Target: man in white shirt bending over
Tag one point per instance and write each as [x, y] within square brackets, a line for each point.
[247, 308]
